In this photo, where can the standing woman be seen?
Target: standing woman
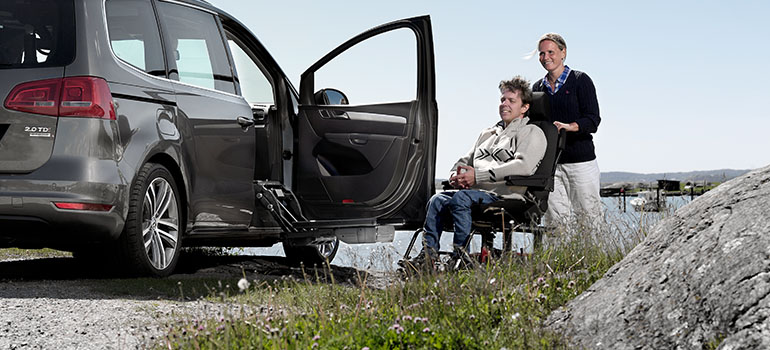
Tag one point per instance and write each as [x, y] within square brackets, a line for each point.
[574, 107]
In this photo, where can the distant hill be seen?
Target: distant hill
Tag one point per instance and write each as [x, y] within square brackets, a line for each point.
[720, 175]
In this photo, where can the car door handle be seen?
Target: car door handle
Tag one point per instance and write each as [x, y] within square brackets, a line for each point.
[359, 140]
[334, 115]
[244, 122]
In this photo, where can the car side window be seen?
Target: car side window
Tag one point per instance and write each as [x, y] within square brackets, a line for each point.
[381, 68]
[195, 45]
[255, 86]
[134, 34]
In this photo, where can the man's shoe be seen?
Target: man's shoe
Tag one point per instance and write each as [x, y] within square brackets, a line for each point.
[460, 260]
[424, 261]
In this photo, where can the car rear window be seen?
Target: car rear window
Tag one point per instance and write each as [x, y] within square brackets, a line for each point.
[36, 33]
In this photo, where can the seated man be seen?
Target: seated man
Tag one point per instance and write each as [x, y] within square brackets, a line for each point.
[511, 147]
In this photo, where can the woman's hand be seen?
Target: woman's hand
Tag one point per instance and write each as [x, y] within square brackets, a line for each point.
[571, 127]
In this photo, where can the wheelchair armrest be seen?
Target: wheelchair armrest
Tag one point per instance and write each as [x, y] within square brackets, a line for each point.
[532, 182]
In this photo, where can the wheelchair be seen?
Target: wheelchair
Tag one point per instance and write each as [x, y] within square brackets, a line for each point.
[517, 213]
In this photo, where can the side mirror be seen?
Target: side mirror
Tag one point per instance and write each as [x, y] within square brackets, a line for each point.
[330, 97]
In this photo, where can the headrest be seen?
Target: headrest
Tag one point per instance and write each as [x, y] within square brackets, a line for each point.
[539, 109]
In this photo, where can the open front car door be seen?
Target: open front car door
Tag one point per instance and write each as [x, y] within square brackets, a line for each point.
[365, 165]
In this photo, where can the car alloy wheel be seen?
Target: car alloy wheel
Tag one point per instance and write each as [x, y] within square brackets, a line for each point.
[311, 254]
[160, 223]
[327, 250]
[151, 240]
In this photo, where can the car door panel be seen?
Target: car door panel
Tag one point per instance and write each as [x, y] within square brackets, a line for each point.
[222, 192]
[220, 150]
[373, 161]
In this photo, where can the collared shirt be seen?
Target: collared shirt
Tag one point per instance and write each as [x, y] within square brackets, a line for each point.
[559, 82]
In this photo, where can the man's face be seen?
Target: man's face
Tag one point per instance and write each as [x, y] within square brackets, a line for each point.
[511, 106]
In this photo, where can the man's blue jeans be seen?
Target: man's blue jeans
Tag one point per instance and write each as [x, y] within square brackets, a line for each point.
[458, 204]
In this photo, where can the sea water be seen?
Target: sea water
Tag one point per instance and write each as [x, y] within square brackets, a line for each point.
[384, 256]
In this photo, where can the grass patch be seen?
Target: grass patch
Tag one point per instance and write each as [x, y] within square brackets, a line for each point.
[19, 254]
[500, 305]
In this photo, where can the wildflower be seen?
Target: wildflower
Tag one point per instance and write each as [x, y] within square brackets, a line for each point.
[540, 280]
[315, 345]
[243, 284]
[571, 284]
[407, 318]
[515, 316]
[365, 348]
[426, 330]
[417, 319]
[472, 317]
[494, 301]
[492, 281]
[424, 320]
[397, 327]
[316, 337]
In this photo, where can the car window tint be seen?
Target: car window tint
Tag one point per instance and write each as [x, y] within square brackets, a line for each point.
[36, 33]
[196, 46]
[255, 87]
[380, 69]
[134, 34]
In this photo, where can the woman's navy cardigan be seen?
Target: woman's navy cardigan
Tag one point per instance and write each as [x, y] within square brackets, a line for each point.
[575, 102]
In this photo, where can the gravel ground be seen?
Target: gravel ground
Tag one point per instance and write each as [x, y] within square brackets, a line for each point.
[69, 315]
[54, 303]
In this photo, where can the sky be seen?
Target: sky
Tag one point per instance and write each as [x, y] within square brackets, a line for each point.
[681, 84]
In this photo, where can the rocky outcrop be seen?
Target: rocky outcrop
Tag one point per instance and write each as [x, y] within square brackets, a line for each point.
[701, 278]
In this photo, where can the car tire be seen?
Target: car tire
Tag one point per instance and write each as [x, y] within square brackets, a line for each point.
[312, 254]
[152, 237]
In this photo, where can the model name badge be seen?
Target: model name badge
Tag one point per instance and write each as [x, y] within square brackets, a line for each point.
[38, 131]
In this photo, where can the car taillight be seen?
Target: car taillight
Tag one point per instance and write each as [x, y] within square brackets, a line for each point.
[83, 206]
[88, 97]
[40, 97]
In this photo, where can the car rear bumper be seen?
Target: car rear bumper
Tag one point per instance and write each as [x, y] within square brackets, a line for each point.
[29, 218]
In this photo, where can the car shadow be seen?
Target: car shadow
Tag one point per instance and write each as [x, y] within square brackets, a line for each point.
[67, 277]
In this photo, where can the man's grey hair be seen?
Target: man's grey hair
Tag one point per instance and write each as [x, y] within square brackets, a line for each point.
[556, 38]
[518, 83]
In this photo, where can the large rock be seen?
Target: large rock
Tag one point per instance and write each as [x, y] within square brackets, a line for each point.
[700, 277]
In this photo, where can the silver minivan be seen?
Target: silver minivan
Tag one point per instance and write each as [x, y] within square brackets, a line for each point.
[130, 128]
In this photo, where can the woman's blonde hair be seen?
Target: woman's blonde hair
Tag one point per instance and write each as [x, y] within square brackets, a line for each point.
[556, 38]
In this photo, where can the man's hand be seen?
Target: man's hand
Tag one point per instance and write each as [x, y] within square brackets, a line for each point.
[465, 178]
[571, 127]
